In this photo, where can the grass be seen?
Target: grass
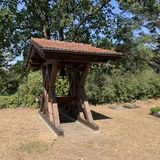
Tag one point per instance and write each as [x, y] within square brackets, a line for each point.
[155, 109]
[36, 147]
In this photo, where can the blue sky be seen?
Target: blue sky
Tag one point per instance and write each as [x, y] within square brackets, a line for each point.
[115, 4]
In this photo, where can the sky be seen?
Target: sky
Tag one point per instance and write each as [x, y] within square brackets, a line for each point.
[115, 4]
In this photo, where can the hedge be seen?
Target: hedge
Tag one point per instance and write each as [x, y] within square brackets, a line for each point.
[104, 88]
[126, 87]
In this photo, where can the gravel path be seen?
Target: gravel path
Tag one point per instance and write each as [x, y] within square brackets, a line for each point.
[130, 134]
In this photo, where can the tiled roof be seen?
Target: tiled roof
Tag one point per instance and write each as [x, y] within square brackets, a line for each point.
[69, 46]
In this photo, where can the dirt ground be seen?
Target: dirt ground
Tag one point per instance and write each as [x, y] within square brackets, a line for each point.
[130, 134]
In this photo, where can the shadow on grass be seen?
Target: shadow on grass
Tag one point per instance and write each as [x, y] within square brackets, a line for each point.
[96, 116]
[99, 116]
[66, 118]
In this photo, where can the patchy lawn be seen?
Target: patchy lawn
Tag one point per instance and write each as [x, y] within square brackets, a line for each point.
[130, 134]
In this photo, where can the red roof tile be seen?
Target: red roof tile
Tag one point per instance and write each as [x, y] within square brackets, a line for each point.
[69, 46]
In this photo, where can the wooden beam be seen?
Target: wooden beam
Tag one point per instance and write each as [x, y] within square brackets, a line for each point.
[85, 116]
[49, 102]
[58, 130]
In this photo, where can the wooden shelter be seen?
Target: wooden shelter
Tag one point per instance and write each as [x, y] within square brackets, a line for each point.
[73, 59]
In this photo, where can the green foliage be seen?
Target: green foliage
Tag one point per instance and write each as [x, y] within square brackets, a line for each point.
[30, 90]
[28, 93]
[146, 12]
[62, 86]
[155, 109]
[108, 87]
[10, 78]
[95, 82]
[11, 101]
[125, 87]
[9, 32]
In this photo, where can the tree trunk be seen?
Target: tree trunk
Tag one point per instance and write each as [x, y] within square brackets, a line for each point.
[46, 31]
[61, 34]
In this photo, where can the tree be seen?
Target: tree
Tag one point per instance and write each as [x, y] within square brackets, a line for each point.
[8, 48]
[65, 20]
[132, 35]
[80, 21]
[147, 12]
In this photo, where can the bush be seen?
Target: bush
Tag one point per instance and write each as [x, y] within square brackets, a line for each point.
[30, 90]
[101, 87]
[124, 87]
[95, 83]
[11, 101]
[62, 86]
[155, 109]
[28, 93]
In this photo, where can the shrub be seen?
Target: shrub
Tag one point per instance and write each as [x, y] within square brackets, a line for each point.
[101, 87]
[62, 86]
[28, 93]
[11, 101]
[124, 87]
[155, 109]
[30, 90]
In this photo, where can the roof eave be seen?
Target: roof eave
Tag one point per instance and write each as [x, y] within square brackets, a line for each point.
[109, 54]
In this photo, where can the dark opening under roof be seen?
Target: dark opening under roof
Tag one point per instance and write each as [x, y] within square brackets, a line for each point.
[44, 49]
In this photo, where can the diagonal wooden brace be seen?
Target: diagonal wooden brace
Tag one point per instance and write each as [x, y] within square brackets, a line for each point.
[49, 103]
[85, 115]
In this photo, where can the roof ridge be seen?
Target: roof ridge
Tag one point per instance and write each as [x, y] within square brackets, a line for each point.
[58, 41]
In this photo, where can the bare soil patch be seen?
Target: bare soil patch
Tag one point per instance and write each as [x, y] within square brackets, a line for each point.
[131, 134]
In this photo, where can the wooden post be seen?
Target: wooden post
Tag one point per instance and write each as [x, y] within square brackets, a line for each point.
[85, 116]
[49, 103]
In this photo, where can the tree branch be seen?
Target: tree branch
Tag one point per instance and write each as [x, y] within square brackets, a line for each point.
[86, 18]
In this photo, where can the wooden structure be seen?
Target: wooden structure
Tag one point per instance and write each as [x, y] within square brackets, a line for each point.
[73, 59]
